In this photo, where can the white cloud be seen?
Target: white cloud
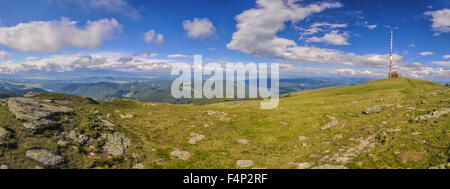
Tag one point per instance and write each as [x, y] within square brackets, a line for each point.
[320, 27]
[431, 72]
[32, 58]
[441, 21]
[111, 6]
[334, 38]
[426, 53]
[367, 25]
[443, 63]
[152, 36]
[326, 24]
[199, 27]
[412, 45]
[257, 28]
[98, 61]
[353, 72]
[446, 56]
[371, 27]
[179, 56]
[53, 36]
[4, 55]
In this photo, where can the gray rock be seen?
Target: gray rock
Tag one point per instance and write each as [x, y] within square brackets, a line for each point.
[88, 100]
[107, 123]
[244, 163]
[375, 109]
[441, 166]
[139, 166]
[434, 114]
[117, 144]
[82, 139]
[243, 141]
[304, 165]
[30, 94]
[126, 116]
[36, 116]
[63, 102]
[3, 135]
[195, 138]
[45, 157]
[183, 155]
[328, 166]
[332, 123]
[62, 143]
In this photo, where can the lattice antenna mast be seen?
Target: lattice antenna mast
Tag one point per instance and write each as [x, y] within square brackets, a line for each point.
[390, 56]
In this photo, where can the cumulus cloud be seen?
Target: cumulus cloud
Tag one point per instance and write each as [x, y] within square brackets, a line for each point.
[334, 38]
[4, 55]
[426, 53]
[152, 36]
[446, 56]
[199, 27]
[53, 36]
[441, 21]
[179, 56]
[257, 28]
[111, 6]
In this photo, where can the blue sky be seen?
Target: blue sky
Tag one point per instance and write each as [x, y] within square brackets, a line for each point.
[351, 36]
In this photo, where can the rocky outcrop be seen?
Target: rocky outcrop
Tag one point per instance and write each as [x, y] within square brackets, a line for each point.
[36, 115]
[117, 144]
[82, 139]
[3, 135]
[45, 157]
[433, 114]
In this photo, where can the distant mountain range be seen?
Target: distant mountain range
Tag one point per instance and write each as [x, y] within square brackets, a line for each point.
[147, 90]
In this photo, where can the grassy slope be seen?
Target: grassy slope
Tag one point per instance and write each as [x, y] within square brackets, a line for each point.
[273, 144]
[397, 141]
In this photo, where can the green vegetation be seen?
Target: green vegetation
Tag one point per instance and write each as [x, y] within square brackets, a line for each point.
[284, 137]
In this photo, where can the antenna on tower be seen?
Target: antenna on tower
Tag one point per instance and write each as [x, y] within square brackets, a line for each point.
[390, 56]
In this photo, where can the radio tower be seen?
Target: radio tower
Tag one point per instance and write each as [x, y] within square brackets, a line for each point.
[390, 56]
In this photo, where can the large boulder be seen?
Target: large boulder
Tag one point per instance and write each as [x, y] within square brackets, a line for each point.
[45, 157]
[117, 144]
[36, 115]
